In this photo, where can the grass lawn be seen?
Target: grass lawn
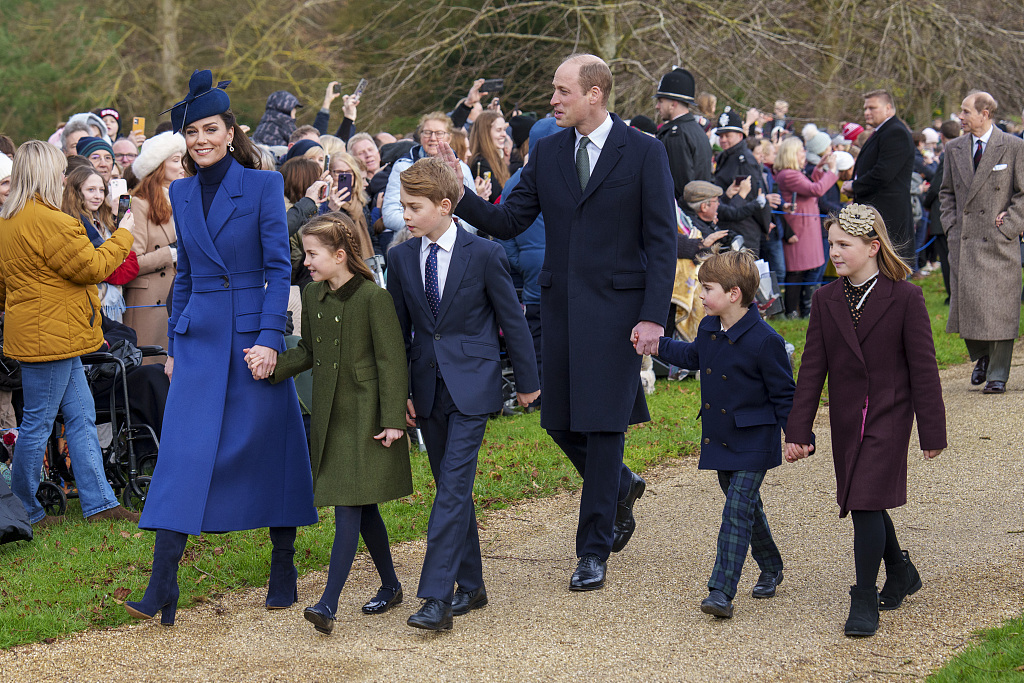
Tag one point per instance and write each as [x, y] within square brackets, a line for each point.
[77, 575]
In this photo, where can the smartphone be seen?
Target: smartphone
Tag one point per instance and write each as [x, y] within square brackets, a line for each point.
[360, 88]
[487, 176]
[345, 181]
[493, 85]
[325, 191]
[327, 162]
[138, 124]
[124, 205]
[739, 179]
[118, 187]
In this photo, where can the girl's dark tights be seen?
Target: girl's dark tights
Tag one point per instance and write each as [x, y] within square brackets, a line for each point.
[349, 523]
[874, 538]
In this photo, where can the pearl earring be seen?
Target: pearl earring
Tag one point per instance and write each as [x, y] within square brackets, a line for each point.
[231, 147]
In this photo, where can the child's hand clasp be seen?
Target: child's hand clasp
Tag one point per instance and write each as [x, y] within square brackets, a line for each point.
[797, 451]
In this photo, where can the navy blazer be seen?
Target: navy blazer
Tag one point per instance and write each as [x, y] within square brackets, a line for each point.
[609, 262]
[746, 388]
[462, 343]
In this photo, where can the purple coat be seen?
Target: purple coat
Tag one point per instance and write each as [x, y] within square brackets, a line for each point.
[879, 377]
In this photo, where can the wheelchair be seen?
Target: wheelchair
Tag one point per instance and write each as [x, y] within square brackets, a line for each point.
[128, 471]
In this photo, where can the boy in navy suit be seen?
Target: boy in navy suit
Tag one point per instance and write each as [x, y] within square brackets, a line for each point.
[746, 388]
[452, 291]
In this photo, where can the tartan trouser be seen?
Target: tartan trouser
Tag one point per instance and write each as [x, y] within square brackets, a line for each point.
[743, 525]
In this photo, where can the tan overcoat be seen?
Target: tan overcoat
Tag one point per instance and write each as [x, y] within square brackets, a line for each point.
[156, 273]
[985, 260]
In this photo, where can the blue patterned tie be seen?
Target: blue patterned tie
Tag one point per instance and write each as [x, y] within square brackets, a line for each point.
[430, 277]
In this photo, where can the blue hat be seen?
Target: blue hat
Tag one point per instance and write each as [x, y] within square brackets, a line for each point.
[300, 148]
[88, 145]
[203, 100]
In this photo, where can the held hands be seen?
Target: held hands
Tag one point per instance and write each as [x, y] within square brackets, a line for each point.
[262, 360]
[447, 155]
[797, 451]
[526, 399]
[645, 337]
[390, 436]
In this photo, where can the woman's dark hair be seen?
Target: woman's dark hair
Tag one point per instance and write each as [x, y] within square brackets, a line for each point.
[245, 151]
[299, 174]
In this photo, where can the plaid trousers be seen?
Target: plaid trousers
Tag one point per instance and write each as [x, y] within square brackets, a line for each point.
[743, 525]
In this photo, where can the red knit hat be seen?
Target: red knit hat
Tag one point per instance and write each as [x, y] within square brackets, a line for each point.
[851, 130]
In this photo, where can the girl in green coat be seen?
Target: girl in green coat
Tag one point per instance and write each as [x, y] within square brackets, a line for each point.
[359, 454]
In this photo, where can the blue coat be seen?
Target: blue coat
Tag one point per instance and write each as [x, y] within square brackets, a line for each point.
[462, 343]
[232, 451]
[609, 262]
[746, 388]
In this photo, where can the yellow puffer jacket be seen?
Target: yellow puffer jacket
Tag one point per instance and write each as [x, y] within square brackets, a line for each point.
[48, 276]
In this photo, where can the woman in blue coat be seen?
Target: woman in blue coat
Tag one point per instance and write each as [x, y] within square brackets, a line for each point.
[233, 452]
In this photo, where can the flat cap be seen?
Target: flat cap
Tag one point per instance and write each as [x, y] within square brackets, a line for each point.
[700, 191]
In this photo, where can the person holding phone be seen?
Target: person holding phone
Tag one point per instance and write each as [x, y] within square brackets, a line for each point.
[85, 198]
[306, 187]
[52, 318]
[487, 145]
[348, 195]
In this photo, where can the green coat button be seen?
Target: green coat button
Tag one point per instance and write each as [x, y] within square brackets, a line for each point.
[318, 340]
[319, 315]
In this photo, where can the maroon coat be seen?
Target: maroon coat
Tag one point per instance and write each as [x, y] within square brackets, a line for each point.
[879, 376]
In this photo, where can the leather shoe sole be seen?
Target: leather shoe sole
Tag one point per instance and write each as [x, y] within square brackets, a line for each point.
[717, 605]
[994, 387]
[766, 585]
[321, 621]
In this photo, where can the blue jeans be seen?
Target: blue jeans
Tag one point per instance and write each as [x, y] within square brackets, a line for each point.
[47, 387]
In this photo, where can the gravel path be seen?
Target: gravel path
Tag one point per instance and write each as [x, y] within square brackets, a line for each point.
[962, 525]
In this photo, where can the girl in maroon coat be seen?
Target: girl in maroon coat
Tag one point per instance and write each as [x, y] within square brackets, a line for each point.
[870, 334]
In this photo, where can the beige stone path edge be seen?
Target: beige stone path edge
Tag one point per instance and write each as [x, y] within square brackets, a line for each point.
[959, 525]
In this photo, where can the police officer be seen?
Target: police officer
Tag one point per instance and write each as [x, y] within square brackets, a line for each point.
[750, 214]
[689, 151]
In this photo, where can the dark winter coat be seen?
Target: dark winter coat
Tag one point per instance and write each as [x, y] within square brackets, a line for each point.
[277, 123]
[880, 375]
[882, 180]
[689, 152]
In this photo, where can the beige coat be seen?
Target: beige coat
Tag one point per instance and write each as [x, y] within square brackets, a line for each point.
[156, 273]
[985, 260]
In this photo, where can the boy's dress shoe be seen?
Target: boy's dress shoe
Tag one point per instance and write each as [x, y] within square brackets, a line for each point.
[717, 605]
[766, 584]
[625, 525]
[589, 574]
[386, 598]
[994, 387]
[434, 615]
[980, 371]
[321, 617]
[465, 601]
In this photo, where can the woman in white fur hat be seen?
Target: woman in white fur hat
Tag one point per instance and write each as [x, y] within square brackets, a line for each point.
[157, 166]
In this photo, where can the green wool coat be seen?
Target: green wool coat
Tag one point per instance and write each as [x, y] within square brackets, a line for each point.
[352, 340]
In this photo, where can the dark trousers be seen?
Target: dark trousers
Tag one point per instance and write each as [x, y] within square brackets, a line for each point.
[453, 545]
[999, 354]
[743, 526]
[942, 252]
[533, 320]
[798, 296]
[597, 456]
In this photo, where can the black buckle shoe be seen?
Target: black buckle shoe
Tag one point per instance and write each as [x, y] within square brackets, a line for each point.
[465, 601]
[386, 598]
[321, 617]
[434, 615]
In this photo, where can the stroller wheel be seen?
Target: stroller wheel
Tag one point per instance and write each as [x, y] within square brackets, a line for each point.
[134, 497]
[52, 498]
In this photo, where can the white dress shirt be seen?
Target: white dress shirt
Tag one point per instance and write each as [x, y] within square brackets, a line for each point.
[983, 139]
[446, 242]
[597, 139]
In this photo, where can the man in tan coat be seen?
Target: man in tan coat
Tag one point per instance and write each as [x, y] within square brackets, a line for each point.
[982, 200]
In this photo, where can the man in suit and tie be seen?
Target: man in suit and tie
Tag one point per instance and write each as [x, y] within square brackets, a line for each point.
[982, 200]
[609, 265]
[881, 175]
[452, 291]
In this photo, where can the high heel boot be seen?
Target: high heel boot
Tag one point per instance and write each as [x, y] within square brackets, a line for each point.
[162, 591]
[283, 590]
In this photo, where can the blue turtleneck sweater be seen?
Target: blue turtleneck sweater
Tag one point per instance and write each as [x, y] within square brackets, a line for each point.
[210, 178]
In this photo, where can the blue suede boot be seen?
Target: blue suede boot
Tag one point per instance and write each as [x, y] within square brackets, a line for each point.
[162, 591]
[283, 590]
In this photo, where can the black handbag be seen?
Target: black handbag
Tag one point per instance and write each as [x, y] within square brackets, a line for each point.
[129, 354]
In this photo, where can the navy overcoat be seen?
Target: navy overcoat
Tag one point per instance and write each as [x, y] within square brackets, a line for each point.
[232, 451]
[746, 390]
[609, 262]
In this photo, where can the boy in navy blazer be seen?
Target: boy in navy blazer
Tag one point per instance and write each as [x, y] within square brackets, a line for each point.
[746, 388]
[452, 291]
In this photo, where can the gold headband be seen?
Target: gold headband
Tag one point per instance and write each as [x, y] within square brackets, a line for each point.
[857, 220]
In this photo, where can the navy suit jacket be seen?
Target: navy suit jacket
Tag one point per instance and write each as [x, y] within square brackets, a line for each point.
[746, 388]
[609, 262]
[462, 343]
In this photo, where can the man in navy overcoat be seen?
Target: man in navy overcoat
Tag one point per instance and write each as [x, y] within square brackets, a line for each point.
[606, 194]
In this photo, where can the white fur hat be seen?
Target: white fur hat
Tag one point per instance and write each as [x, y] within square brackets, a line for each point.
[5, 166]
[155, 151]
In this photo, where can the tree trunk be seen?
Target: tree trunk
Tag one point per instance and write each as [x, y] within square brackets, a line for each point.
[167, 33]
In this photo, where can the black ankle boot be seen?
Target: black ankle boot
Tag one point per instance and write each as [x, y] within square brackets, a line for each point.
[863, 619]
[162, 591]
[901, 580]
[283, 590]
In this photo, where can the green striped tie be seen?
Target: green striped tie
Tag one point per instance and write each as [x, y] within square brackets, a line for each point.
[583, 162]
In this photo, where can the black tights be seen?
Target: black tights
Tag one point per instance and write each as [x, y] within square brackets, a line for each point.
[874, 538]
[349, 523]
